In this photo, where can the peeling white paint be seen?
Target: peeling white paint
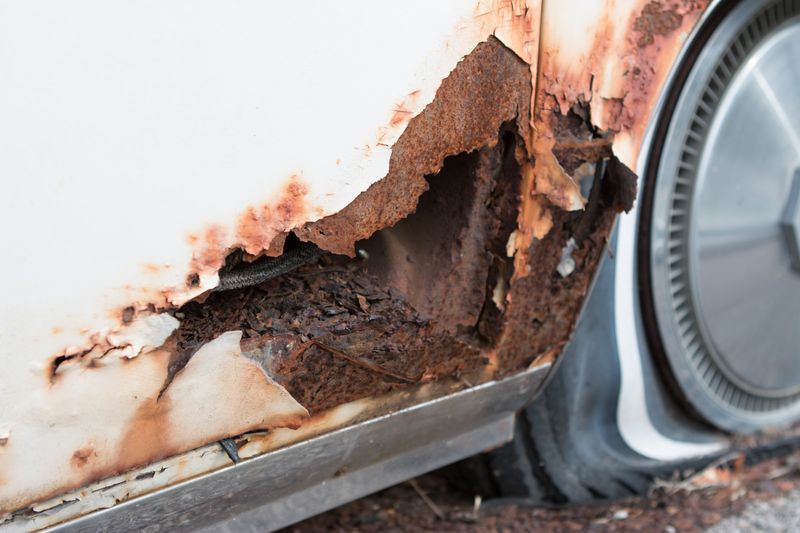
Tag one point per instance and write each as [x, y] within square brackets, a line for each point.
[146, 333]
[566, 265]
[96, 421]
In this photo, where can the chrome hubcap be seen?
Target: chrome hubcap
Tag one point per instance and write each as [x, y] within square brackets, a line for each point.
[744, 233]
[723, 266]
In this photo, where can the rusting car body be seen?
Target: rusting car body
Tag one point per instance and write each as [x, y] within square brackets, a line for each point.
[455, 168]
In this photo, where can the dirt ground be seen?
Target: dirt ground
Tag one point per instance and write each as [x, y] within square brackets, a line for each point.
[731, 496]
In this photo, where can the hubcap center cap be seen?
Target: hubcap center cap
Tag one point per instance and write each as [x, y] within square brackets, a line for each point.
[790, 222]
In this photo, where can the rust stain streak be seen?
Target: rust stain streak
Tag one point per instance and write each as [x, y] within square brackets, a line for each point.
[147, 437]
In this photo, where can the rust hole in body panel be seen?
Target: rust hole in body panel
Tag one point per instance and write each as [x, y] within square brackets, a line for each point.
[419, 281]
[544, 304]
[415, 306]
[420, 302]
[431, 290]
[360, 311]
[577, 140]
[449, 255]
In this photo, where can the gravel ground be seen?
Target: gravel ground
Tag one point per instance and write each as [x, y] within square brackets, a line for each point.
[765, 497]
[778, 514]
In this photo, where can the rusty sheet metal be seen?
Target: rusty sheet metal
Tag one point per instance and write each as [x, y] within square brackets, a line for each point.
[607, 60]
[602, 65]
[613, 57]
[118, 331]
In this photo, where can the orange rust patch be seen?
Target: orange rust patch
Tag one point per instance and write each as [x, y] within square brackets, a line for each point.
[654, 20]
[259, 228]
[151, 268]
[614, 112]
[291, 207]
[275, 247]
[400, 115]
[251, 229]
[655, 30]
[82, 456]
[145, 441]
[147, 436]
[618, 99]
[211, 254]
[534, 220]
[550, 179]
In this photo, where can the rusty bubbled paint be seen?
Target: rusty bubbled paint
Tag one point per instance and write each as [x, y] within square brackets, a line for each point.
[620, 69]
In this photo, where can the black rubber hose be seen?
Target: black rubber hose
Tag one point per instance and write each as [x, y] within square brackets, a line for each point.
[256, 273]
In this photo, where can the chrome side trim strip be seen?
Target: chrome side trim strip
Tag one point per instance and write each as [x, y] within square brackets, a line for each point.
[351, 486]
